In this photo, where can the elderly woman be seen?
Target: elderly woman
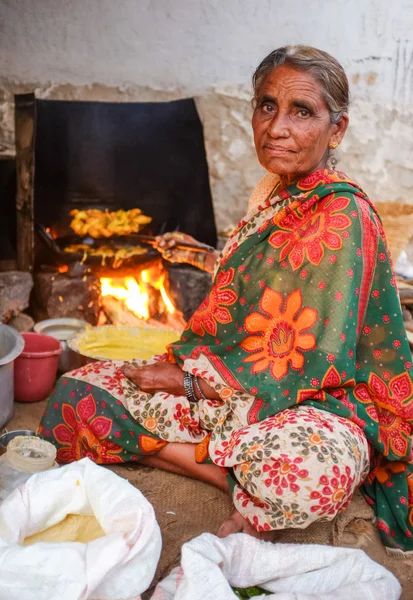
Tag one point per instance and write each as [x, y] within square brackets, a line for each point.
[291, 385]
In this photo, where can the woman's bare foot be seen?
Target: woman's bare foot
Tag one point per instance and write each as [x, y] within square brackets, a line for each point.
[237, 524]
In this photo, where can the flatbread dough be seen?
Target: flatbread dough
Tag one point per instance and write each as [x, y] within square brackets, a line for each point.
[74, 528]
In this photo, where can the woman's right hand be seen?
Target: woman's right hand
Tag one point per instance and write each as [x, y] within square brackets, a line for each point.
[158, 377]
[168, 246]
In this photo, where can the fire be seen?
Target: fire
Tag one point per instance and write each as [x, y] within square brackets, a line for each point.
[135, 298]
[158, 284]
[169, 306]
[135, 295]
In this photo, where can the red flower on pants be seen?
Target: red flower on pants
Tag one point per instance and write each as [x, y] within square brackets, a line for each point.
[183, 416]
[229, 446]
[335, 494]
[83, 434]
[213, 309]
[283, 474]
[305, 234]
[247, 499]
[257, 525]
[278, 421]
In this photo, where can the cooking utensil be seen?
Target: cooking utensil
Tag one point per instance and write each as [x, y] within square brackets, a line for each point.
[152, 240]
[11, 346]
[58, 245]
[60, 256]
[63, 329]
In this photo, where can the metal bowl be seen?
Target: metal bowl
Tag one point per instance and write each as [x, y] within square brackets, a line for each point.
[64, 329]
[5, 438]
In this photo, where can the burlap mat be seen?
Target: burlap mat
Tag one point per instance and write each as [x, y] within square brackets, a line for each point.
[187, 508]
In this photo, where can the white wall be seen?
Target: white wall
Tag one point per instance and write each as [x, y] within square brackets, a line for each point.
[141, 49]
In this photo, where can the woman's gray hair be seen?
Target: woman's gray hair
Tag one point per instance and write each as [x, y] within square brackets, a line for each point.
[323, 67]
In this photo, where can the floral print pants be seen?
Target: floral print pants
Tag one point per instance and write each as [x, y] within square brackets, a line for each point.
[300, 466]
[289, 470]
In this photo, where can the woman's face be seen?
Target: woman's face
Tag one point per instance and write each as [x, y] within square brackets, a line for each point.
[291, 123]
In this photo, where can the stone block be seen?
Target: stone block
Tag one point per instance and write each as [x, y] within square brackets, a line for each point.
[15, 288]
[21, 323]
[57, 295]
[188, 287]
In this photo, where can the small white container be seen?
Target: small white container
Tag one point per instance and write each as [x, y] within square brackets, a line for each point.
[30, 454]
[25, 456]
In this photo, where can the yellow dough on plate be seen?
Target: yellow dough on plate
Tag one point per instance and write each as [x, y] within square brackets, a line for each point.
[74, 528]
[122, 343]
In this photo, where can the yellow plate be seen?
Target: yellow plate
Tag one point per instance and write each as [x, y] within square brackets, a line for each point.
[122, 343]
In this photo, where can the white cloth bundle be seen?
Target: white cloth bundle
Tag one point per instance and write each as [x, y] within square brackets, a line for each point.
[210, 565]
[118, 566]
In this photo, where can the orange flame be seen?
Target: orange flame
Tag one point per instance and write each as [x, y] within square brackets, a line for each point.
[134, 295]
[135, 298]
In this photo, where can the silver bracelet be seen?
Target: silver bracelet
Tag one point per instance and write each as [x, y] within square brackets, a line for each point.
[189, 387]
[198, 387]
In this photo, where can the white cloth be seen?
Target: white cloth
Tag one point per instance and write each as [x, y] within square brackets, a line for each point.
[210, 565]
[120, 565]
[403, 266]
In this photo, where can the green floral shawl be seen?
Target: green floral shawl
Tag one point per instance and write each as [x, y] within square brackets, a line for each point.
[304, 309]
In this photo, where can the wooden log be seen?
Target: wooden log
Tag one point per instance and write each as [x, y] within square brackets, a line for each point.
[8, 265]
[118, 313]
[25, 113]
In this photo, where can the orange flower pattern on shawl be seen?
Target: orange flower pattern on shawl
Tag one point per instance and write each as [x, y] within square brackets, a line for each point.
[282, 335]
[214, 309]
[305, 233]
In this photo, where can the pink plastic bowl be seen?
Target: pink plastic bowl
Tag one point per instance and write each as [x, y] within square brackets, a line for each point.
[36, 367]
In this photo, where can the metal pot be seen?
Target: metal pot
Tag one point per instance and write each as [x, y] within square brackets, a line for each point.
[64, 329]
[11, 346]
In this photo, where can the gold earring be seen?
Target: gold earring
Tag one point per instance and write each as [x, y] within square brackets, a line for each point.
[333, 145]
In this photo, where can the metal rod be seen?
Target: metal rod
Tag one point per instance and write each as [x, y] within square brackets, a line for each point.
[151, 240]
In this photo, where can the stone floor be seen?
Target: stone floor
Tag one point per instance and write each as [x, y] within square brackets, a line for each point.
[186, 508]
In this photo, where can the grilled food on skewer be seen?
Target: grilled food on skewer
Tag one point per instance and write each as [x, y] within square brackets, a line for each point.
[105, 252]
[98, 223]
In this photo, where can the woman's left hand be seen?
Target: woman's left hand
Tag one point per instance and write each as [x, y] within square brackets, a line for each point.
[159, 377]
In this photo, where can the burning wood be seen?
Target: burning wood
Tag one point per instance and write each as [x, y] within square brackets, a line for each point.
[129, 301]
[134, 297]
